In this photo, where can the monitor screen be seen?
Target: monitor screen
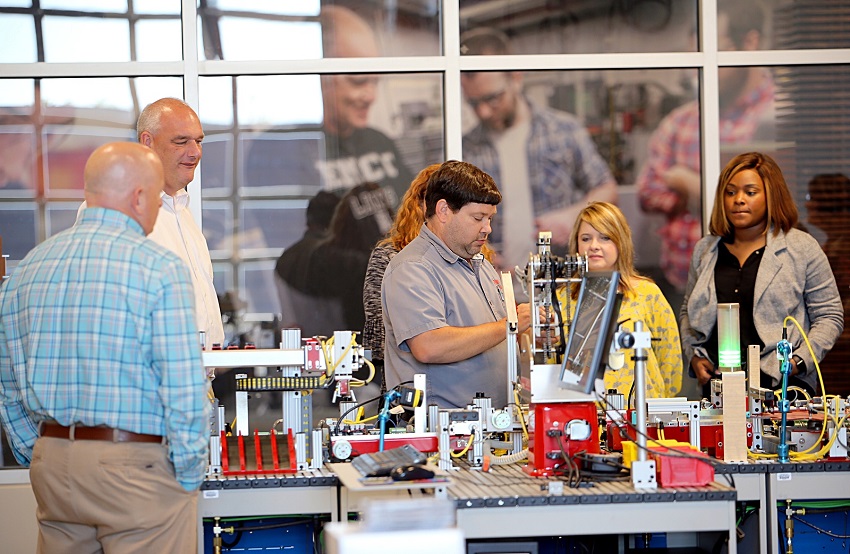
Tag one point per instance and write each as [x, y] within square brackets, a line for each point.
[591, 331]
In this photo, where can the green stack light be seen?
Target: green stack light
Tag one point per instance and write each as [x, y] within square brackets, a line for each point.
[728, 336]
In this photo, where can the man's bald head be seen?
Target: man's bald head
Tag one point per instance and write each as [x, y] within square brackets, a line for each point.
[126, 177]
[347, 98]
[346, 35]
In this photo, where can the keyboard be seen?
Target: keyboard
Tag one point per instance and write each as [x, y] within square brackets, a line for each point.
[380, 464]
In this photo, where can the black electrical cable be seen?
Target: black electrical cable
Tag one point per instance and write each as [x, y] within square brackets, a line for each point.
[574, 477]
[583, 457]
[556, 306]
[238, 531]
[271, 525]
[356, 406]
[360, 405]
[629, 397]
[667, 452]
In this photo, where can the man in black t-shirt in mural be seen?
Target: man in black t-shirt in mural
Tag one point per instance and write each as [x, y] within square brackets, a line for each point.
[355, 152]
[342, 150]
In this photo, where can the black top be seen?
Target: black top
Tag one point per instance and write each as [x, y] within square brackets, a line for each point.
[293, 267]
[735, 283]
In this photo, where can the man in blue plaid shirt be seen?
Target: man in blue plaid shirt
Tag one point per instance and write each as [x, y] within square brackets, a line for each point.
[102, 388]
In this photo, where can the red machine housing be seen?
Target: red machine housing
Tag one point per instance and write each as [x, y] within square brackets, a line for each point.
[548, 438]
[710, 436]
[259, 454]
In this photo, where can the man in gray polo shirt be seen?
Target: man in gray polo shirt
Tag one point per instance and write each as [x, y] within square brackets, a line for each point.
[444, 308]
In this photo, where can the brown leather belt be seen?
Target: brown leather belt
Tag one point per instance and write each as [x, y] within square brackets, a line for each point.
[81, 433]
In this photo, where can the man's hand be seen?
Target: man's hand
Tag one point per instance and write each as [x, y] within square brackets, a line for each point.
[703, 369]
[685, 182]
[559, 222]
[523, 313]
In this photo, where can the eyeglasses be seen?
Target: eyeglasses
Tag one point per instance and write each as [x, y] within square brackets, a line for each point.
[491, 100]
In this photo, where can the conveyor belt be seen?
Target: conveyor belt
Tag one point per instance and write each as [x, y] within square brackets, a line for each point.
[772, 466]
[309, 478]
[506, 486]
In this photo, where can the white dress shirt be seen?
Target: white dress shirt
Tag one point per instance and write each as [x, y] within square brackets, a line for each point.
[176, 230]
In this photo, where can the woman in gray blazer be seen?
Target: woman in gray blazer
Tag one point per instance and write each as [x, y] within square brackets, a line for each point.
[755, 257]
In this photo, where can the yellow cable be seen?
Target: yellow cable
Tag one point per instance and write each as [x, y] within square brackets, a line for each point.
[806, 456]
[520, 415]
[326, 345]
[811, 351]
[809, 453]
[355, 422]
[465, 449]
[801, 390]
[822, 387]
[361, 382]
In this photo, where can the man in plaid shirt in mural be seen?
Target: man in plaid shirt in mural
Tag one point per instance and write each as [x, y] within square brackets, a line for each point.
[669, 182]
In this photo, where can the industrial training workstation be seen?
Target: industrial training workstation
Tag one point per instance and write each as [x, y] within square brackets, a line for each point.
[620, 328]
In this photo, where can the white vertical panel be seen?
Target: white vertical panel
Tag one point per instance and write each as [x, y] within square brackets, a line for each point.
[452, 101]
[190, 91]
[710, 108]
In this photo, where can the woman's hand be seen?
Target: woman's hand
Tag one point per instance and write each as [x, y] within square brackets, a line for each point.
[703, 369]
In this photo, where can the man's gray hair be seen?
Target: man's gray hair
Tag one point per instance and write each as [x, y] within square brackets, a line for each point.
[150, 117]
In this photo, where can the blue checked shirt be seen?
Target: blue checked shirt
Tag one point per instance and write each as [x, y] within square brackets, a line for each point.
[97, 327]
[563, 162]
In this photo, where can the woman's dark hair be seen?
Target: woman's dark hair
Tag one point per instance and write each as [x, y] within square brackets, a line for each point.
[781, 209]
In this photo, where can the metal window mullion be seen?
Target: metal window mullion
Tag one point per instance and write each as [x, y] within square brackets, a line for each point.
[189, 17]
[452, 101]
[709, 108]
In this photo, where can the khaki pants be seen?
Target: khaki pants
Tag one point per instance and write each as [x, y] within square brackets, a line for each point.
[98, 496]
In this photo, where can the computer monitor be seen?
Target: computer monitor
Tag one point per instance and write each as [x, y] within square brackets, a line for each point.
[591, 331]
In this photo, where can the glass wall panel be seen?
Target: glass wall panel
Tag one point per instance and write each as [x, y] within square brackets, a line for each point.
[290, 137]
[259, 100]
[813, 149]
[581, 27]
[273, 7]
[265, 227]
[74, 39]
[44, 147]
[783, 25]
[223, 277]
[17, 160]
[60, 216]
[156, 6]
[159, 40]
[270, 40]
[218, 228]
[70, 31]
[587, 131]
[20, 31]
[294, 30]
[115, 6]
[217, 165]
[66, 151]
[258, 277]
[19, 230]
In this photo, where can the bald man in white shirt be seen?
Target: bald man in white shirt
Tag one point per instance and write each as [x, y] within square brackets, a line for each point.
[171, 128]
